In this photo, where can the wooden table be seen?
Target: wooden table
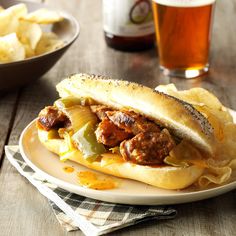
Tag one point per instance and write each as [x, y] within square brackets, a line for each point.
[24, 211]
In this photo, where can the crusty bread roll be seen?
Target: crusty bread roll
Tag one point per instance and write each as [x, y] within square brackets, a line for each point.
[167, 177]
[179, 117]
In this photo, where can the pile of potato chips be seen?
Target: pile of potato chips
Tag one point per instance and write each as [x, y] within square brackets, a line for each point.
[21, 34]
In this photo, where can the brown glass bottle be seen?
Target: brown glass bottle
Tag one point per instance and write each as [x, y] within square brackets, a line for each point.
[130, 43]
[128, 24]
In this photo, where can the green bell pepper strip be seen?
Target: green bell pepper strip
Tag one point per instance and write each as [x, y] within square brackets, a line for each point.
[87, 142]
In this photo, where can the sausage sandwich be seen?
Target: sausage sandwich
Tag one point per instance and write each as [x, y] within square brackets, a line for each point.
[128, 130]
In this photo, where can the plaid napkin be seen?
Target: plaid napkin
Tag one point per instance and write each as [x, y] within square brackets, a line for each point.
[91, 216]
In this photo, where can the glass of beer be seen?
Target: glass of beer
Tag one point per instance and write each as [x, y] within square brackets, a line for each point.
[183, 29]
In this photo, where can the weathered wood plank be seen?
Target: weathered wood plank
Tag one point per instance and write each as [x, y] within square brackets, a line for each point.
[24, 211]
[8, 104]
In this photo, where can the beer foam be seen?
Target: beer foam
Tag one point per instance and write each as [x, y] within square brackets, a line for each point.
[185, 3]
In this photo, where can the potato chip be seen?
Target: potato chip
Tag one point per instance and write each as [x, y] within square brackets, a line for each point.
[11, 49]
[29, 33]
[29, 52]
[227, 146]
[184, 154]
[43, 16]
[168, 89]
[216, 175]
[9, 18]
[48, 42]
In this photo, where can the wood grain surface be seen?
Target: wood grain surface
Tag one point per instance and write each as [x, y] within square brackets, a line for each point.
[24, 211]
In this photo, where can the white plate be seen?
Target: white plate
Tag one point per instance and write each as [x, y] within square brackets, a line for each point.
[127, 192]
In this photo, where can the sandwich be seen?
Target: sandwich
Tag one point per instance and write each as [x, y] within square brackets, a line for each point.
[166, 138]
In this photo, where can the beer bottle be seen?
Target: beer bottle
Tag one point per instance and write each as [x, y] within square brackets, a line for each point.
[128, 24]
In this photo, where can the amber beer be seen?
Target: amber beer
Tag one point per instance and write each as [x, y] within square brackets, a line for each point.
[183, 30]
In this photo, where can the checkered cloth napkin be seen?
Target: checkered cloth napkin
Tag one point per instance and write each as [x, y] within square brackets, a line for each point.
[91, 216]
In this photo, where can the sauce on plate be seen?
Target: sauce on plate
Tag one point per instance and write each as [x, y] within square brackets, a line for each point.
[95, 181]
[68, 169]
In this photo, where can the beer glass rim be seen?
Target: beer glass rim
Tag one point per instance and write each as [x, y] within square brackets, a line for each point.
[185, 3]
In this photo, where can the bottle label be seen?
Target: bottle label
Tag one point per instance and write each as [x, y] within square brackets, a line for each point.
[128, 18]
[185, 3]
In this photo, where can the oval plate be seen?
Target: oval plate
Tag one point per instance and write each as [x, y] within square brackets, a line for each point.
[128, 191]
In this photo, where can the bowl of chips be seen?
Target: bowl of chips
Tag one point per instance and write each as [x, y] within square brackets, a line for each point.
[33, 37]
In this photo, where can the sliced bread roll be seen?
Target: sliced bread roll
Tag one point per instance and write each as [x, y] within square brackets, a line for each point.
[179, 117]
